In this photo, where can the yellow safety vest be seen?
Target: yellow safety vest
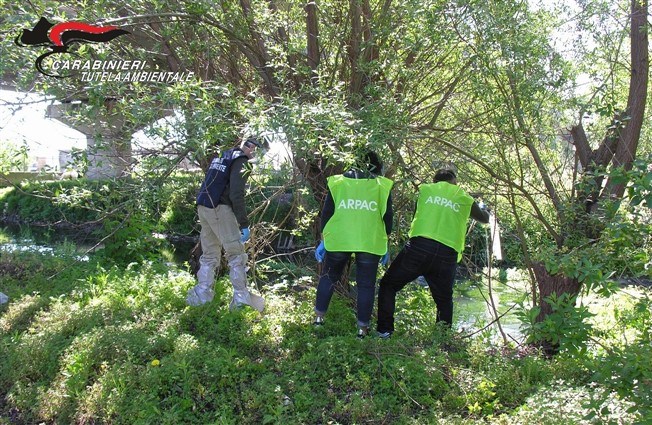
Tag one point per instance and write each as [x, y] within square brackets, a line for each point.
[357, 224]
[443, 211]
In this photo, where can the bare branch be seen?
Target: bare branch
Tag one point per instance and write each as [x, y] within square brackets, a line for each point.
[491, 171]
[581, 143]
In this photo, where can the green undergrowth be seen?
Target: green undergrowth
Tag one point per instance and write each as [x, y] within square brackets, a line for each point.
[82, 202]
[80, 343]
[131, 217]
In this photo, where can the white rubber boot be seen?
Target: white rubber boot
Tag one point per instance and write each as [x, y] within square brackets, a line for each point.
[241, 294]
[203, 293]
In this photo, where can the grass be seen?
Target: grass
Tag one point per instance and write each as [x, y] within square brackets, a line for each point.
[83, 344]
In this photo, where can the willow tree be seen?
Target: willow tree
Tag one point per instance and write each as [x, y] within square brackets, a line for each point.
[420, 81]
[526, 138]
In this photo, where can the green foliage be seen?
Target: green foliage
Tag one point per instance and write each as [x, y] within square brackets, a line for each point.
[12, 157]
[640, 188]
[567, 327]
[624, 365]
[119, 345]
[586, 265]
[626, 247]
[324, 128]
[70, 201]
[132, 218]
[126, 217]
[423, 82]
[173, 204]
[130, 238]
[562, 402]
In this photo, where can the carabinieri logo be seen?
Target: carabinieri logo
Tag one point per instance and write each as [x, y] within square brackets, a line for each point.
[60, 37]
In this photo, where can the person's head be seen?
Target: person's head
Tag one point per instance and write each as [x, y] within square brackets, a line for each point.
[251, 143]
[372, 163]
[446, 175]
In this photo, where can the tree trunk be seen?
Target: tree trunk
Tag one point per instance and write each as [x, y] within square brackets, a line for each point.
[548, 285]
[354, 47]
[312, 37]
[618, 147]
[637, 98]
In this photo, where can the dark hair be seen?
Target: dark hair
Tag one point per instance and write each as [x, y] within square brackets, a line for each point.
[252, 141]
[444, 175]
[372, 162]
[257, 142]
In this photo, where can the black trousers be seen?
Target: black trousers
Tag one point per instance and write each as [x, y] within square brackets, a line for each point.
[436, 262]
[366, 266]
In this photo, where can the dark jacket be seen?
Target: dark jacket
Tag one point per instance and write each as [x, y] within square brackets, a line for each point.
[479, 214]
[225, 183]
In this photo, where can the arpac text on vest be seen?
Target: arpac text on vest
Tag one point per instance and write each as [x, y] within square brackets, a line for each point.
[438, 200]
[358, 204]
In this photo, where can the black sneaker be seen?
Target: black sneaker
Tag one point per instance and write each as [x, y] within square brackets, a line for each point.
[319, 321]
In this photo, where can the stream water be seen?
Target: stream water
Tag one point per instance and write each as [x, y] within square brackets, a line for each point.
[476, 306]
[15, 238]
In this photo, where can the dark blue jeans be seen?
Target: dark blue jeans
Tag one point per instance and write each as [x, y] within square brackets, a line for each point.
[436, 262]
[366, 267]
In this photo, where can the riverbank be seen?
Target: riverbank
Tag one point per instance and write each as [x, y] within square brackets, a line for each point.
[82, 342]
[16, 178]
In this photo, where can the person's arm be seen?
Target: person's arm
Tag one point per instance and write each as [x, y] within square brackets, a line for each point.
[479, 214]
[328, 210]
[237, 182]
[388, 218]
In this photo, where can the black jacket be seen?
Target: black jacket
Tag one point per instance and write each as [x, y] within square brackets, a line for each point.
[225, 183]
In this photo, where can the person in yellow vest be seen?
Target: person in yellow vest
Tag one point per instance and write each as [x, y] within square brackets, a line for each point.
[433, 250]
[356, 218]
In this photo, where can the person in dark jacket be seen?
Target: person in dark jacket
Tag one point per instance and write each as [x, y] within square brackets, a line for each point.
[434, 248]
[224, 224]
[356, 218]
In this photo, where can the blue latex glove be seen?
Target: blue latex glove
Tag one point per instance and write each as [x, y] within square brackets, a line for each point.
[245, 235]
[385, 259]
[320, 252]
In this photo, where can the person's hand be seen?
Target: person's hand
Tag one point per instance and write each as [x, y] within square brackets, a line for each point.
[245, 235]
[484, 207]
[385, 259]
[320, 252]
